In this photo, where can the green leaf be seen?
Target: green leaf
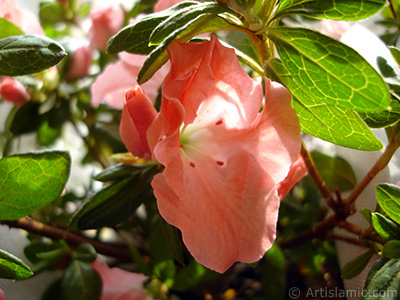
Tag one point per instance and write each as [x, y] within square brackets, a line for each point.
[392, 249]
[335, 171]
[395, 54]
[330, 123]
[51, 13]
[345, 10]
[134, 38]
[12, 267]
[383, 118]
[30, 181]
[8, 29]
[81, 282]
[388, 197]
[355, 266]
[174, 241]
[384, 282]
[114, 203]
[28, 54]
[274, 274]
[385, 227]
[119, 171]
[179, 21]
[85, 252]
[384, 67]
[329, 71]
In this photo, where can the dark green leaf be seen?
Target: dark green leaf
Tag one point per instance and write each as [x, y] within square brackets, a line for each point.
[81, 282]
[12, 267]
[118, 172]
[384, 282]
[346, 10]
[335, 171]
[25, 119]
[366, 213]
[85, 252]
[383, 118]
[28, 54]
[174, 241]
[327, 122]
[53, 292]
[355, 266]
[396, 54]
[377, 265]
[392, 249]
[51, 13]
[384, 67]
[329, 71]
[135, 37]
[30, 181]
[179, 21]
[8, 29]
[385, 227]
[114, 203]
[388, 197]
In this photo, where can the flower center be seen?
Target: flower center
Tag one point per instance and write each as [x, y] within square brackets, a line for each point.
[192, 140]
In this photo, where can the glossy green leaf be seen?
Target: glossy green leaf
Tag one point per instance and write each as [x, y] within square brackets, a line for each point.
[114, 203]
[383, 282]
[330, 123]
[335, 171]
[119, 171]
[179, 21]
[81, 282]
[384, 227]
[355, 266]
[12, 267]
[391, 249]
[329, 71]
[30, 181]
[383, 118]
[345, 10]
[388, 197]
[28, 54]
[134, 38]
[8, 29]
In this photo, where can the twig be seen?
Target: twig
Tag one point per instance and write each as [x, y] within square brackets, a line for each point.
[72, 239]
[362, 233]
[317, 178]
[392, 10]
[350, 240]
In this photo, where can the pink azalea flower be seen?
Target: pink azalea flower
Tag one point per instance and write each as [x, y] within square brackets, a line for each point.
[2, 297]
[14, 91]
[164, 4]
[116, 78]
[80, 64]
[223, 159]
[297, 171]
[334, 29]
[119, 284]
[106, 21]
[21, 17]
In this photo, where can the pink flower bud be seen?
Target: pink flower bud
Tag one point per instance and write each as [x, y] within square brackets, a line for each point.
[106, 21]
[80, 64]
[14, 91]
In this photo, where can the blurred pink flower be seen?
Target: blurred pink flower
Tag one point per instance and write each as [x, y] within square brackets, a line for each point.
[116, 78]
[119, 284]
[334, 29]
[22, 17]
[80, 64]
[2, 297]
[106, 21]
[14, 91]
[164, 4]
[223, 159]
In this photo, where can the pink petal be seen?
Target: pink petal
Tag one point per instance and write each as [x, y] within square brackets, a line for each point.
[14, 91]
[2, 297]
[119, 284]
[297, 171]
[137, 115]
[164, 4]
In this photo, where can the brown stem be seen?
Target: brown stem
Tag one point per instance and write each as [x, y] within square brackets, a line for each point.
[72, 239]
[317, 178]
[338, 237]
[318, 231]
[362, 233]
[380, 164]
[392, 10]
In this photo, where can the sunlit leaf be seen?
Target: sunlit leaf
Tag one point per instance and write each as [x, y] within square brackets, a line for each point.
[329, 71]
[12, 267]
[388, 197]
[385, 227]
[30, 181]
[8, 29]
